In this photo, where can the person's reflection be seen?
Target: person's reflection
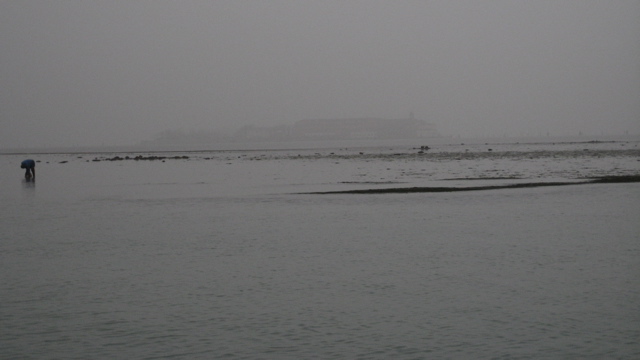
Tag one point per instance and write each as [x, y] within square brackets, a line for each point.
[29, 184]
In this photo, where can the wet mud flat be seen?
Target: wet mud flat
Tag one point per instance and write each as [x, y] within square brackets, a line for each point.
[381, 169]
[451, 168]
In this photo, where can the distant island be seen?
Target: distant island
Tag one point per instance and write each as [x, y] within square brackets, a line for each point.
[311, 129]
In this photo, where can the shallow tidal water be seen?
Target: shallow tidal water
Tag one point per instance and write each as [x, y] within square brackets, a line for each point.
[226, 255]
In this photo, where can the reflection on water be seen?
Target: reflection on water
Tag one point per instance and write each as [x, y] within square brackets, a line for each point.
[28, 187]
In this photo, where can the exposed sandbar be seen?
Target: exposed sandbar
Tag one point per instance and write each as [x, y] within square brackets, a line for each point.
[600, 180]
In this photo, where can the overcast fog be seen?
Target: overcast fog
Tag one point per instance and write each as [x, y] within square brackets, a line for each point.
[119, 72]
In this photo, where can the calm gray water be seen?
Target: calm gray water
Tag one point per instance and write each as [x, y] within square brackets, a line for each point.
[224, 259]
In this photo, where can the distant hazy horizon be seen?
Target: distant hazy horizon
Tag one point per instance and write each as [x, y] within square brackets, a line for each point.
[78, 73]
[230, 144]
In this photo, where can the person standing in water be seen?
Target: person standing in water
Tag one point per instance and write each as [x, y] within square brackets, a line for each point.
[30, 167]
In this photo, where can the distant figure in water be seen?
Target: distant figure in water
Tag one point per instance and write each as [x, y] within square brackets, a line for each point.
[30, 167]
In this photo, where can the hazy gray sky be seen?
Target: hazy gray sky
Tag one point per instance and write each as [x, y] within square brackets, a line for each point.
[84, 72]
